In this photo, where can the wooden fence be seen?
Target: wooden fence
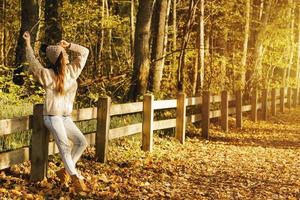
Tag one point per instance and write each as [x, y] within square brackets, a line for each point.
[40, 147]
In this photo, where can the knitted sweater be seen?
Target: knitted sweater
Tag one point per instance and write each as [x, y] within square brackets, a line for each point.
[55, 103]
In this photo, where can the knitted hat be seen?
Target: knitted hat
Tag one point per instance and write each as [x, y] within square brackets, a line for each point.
[53, 52]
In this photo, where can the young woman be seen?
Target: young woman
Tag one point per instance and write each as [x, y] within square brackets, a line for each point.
[59, 82]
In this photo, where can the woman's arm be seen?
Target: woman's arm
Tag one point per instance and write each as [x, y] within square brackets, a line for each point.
[34, 66]
[78, 63]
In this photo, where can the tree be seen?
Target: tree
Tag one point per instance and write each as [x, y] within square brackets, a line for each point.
[29, 21]
[2, 32]
[53, 21]
[245, 44]
[298, 46]
[199, 73]
[291, 41]
[221, 46]
[174, 40]
[158, 43]
[258, 47]
[140, 77]
[132, 25]
[184, 43]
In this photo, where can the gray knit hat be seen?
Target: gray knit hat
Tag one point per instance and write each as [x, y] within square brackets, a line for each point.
[53, 51]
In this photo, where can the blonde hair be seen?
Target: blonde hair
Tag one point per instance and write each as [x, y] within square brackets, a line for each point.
[59, 69]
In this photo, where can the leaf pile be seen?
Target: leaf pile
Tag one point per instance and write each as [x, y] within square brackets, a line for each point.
[260, 161]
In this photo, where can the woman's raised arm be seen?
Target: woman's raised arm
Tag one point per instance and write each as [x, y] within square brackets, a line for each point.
[34, 66]
[79, 62]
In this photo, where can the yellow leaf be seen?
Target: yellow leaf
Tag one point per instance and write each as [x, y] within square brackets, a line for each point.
[83, 193]
[103, 178]
[3, 190]
[16, 192]
[28, 196]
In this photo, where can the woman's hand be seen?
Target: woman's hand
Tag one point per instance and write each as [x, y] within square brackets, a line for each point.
[64, 44]
[26, 37]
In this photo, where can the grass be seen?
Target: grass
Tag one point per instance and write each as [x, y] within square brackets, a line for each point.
[18, 139]
[8, 111]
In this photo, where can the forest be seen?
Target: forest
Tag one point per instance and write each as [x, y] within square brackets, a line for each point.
[159, 47]
[155, 64]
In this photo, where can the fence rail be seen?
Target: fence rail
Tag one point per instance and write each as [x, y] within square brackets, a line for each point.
[266, 101]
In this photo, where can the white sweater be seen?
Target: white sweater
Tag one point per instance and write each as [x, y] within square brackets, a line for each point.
[55, 103]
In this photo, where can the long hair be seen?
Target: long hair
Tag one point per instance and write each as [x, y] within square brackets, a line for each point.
[59, 70]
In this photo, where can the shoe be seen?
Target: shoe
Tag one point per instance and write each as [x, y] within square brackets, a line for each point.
[63, 176]
[78, 184]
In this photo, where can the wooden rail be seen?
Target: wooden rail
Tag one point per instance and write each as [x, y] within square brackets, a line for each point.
[41, 147]
[8, 126]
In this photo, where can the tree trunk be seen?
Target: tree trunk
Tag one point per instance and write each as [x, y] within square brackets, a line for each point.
[298, 56]
[291, 45]
[141, 49]
[53, 21]
[196, 69]
[29, 21]
[174, 31]
[102, 35]
[97, 48]
[241, 77]
[110, 66]
[201, 50]
[260, 15]
[261, 8]
[132, 26]
[158, 44]
[2, 32]
[199, 66]
[221, 46]
[40, 35]
[166, 31]
[186, 37]
[258, 50]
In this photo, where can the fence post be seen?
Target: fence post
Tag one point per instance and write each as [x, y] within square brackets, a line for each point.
[282, 95]
[289, 98]
[264, 104]
[273, 102]
[205, 109]
[103, 123]
[254, 105]
[295, 97]
[39, 145]
[239, 108]
[224, 111]
[180, 117]
[148, 114]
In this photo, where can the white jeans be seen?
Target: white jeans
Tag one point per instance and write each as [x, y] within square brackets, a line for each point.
[63, 130]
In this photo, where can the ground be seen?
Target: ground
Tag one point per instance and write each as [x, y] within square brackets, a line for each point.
[260, 161]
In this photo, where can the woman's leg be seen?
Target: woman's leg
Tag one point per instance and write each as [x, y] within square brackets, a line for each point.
[76, 136]
[56, 127]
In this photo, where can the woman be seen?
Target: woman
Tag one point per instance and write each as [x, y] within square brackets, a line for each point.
[59, 82]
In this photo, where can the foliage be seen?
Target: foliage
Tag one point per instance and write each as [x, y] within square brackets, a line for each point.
[17, 100]
[12, 27]
[109, 67]
[86, 26]
[15, 141]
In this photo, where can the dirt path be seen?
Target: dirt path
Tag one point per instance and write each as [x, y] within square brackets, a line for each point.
[261, 161]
